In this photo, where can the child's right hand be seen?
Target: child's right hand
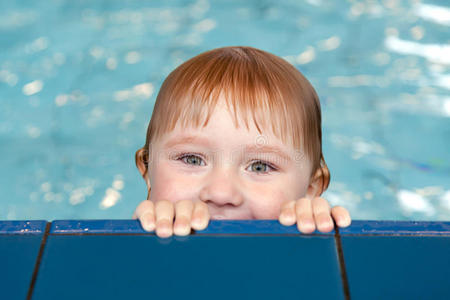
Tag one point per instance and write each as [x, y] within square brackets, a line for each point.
[160, 214]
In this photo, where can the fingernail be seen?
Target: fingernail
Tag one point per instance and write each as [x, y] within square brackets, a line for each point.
[163, 230]
[288, 216]
[308, 225]
[325, 226]
[182, 230]
[198, 223]
[344, 222]
[148, 225]
[201, 224]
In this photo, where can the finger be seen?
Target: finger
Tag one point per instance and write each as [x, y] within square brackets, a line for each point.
[341, 216]
[200, 216]
[303, 210]
[145, 212]
[287, 215]
[321, 211]
[183, 213]
[164, 218]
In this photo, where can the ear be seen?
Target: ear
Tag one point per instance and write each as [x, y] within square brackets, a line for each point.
[141, 157]
[315, 187]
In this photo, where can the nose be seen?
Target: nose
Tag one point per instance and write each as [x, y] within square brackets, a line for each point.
[221, 188]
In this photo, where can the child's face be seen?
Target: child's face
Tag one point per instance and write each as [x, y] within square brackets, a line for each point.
[223, 173]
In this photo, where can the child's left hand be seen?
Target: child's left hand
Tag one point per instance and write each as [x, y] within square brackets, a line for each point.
[311, 213]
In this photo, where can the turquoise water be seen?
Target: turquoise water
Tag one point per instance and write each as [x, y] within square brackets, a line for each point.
[78, 80]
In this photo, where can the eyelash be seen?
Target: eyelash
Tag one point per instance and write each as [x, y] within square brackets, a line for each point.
[197, 155]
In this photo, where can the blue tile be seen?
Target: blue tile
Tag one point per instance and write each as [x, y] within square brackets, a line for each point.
[397, 260]
[397, 228]
[225, 265]
[252, 227]
[22, 227]
[19, 247]
[95, 226]
[214, 227]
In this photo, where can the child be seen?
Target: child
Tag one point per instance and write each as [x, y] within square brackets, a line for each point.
[201, 163]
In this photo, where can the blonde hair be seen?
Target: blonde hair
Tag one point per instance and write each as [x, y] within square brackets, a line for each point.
[253, 81]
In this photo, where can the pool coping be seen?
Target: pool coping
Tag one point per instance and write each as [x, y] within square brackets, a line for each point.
[226, 227]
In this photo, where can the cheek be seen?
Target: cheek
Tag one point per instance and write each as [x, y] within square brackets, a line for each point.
[299, 183]
[266, 206]
[168, 185]
[301, 189]
[266, 203]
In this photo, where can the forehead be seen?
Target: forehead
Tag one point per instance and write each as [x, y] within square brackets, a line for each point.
[224, 129]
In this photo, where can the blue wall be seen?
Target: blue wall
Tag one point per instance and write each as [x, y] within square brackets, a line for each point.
[117, 259]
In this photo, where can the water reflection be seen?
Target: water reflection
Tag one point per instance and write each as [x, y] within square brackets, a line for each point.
[436, 53]
[433, 13]
[78, 83]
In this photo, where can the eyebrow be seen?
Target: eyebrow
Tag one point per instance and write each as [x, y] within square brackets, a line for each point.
[268, 149]
[187, 139]
[190, 139]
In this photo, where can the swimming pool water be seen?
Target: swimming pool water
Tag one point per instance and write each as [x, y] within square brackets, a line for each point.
[78, 81]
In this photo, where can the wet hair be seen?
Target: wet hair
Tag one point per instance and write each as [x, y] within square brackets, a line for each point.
[253, 81]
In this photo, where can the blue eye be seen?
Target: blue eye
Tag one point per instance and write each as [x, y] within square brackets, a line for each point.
[191, 159]
[261, 167]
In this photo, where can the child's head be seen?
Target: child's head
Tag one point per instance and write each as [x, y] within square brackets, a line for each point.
[199, 116]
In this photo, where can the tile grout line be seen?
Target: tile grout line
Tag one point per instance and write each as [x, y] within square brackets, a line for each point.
[174, 236]
[38, 260]
[340, 251]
